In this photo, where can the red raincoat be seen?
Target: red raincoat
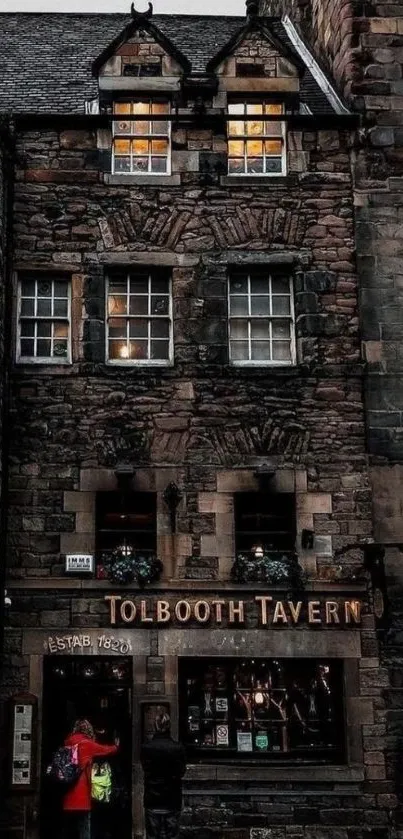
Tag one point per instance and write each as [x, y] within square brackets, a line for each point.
[79, 796]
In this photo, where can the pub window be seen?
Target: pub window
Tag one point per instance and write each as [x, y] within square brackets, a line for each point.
[264, 521]
[261, 319]
[126, 521]
[44, 319]
[256, 143]
[272, 709]
[141, 137]
[139, 318]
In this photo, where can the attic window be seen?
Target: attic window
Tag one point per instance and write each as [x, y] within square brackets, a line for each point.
[141, 137]
[248, 69]
[256, 143]
[142, 70]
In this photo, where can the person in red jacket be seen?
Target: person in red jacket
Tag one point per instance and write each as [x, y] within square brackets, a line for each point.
[77, 801]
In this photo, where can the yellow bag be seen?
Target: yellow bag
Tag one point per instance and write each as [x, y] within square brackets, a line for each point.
[101, 782]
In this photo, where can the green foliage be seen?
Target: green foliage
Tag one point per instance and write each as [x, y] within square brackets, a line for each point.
[121, 567]
[274, 568]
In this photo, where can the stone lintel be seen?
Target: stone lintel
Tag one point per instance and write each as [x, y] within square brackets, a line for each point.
[119, 83]
[282, 84]
[168, 258]
[240, 642]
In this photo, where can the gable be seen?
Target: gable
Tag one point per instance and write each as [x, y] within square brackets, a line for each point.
[140, 56]
[256, 56]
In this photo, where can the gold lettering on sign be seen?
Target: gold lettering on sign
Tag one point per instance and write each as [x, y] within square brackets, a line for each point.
[263, 600]
[218, 604]
[112, 599]
[332, 611]
[314, 611]
[163, 611]
[352, 611]
[180, 616]
[236, 613]
[128, 611]
[295, 610]
[143, 612]
[202, 611]
[279, 613]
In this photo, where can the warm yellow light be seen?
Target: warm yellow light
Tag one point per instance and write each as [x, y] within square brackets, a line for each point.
[123, 351]
[259, 698]
[258, 551]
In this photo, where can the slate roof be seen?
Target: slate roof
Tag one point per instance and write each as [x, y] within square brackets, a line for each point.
[45, 59]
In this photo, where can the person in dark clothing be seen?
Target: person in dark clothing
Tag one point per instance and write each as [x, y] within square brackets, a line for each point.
[164, 765]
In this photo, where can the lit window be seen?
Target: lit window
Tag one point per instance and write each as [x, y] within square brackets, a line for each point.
[44, 320]
[141, 138]
[139, 318]
[272, 709]
[261, 323]
[256, 144]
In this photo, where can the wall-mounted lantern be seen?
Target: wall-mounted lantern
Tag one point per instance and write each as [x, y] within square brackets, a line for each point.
[264, 475]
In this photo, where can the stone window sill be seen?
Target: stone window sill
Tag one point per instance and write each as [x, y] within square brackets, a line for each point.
[142, 180]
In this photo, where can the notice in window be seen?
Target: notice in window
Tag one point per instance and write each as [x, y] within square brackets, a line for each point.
[244, 741]
[22, 745]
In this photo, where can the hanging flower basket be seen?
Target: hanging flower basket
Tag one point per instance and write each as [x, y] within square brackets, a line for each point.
[122, 566]
[274, 568]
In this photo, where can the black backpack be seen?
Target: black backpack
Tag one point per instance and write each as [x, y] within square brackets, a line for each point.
[64, 767]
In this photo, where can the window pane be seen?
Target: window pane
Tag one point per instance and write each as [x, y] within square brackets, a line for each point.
[160, 328]
[159, 127]
[159, 285]
[260, 351]
[280, 285]
[158, 164]
[255, 128]
[239, 305]
[138, 328]
[43, 348]
[60, 330]
[254, 148]
[159, 147]
[281, 329]
[44, 307]
[239, 285]
[160, 350]
[236, 128]
[60, 288]
[160, 107]
[141, 127]
[139, 305]
[140, 164]
[139, 284]
[122, 146]
[255, 165]
[281, 305]
[28, 288]
[260, 329]
[117, 304]
[121, 107]
[118, 350]
[259, 285]
[259, 305]
[141, 107]
[122, 164]
[273, 146]
[281, 351]
[60, 308]
[274, 129]
[140, 147]
[159, 305]
[27, 347]
[44, 329]
[138, 350]
[239, 329]
[60, 349]
[117, 285]
[273, 108]
[236, 108]
[44, 289]
[239, 350]
[27, 329]
[254, 108]
[117, 329]
[236, 166]
[27, 306]
[273, 165]
[236, 148]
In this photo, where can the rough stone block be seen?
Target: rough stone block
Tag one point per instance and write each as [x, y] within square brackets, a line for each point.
[314, 502]
[79, 502]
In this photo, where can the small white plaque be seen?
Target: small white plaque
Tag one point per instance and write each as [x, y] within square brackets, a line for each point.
[79, 564]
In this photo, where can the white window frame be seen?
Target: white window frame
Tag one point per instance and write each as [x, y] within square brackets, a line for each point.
[130, 136]
[245, 137]
[140, 362]
[270, 317]
[38, 278]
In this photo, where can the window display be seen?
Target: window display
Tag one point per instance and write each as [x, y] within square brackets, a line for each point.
[272, 708]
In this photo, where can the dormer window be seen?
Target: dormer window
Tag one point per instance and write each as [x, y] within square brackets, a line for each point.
[256, 143]
[141, 137]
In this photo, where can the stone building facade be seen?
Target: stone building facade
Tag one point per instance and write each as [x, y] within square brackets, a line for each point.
[230, 436]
